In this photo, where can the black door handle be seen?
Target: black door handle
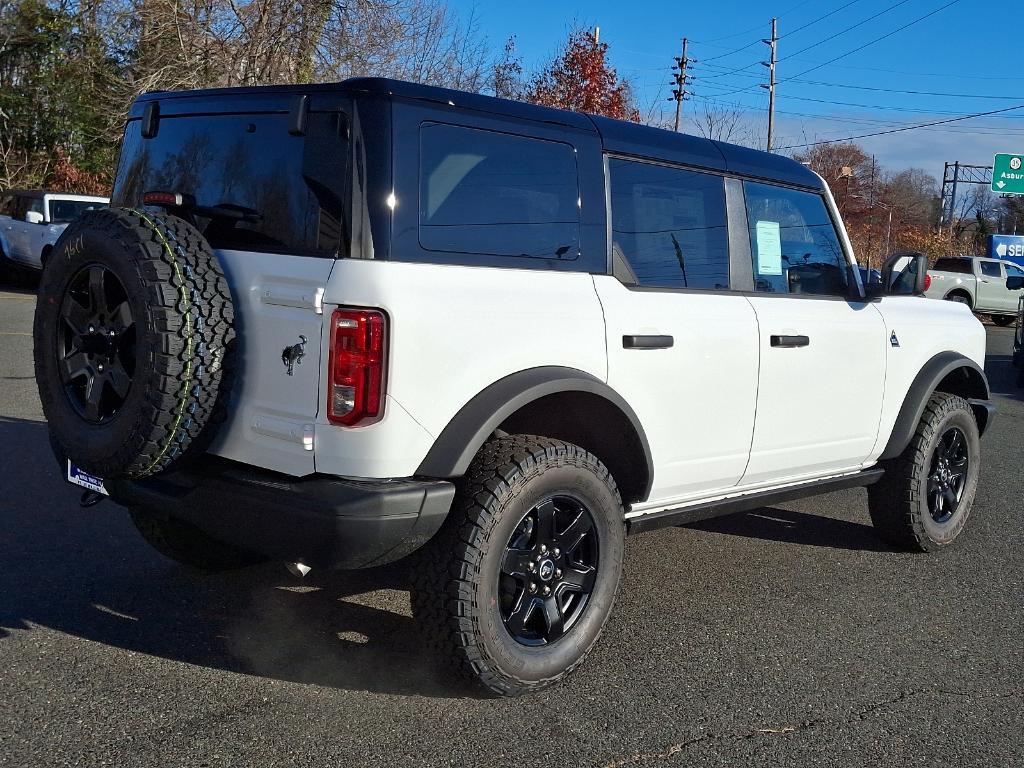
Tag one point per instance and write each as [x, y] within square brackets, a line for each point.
[647, 342]
[791, 341]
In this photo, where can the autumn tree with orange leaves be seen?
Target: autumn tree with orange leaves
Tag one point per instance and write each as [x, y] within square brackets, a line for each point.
[581, 79]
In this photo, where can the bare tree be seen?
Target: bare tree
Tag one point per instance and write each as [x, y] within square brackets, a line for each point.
[729, 124]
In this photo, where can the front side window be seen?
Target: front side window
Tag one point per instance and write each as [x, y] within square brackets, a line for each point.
[496, 194]
[794, 243]
[35, 205]
[669, 225]
[1012, 271]
[990, 269]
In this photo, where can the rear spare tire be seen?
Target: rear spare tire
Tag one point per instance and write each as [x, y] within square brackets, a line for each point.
[133, 342]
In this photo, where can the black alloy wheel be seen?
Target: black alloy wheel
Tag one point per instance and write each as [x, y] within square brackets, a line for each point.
[549, 570]
[947, 477]
[96, 343]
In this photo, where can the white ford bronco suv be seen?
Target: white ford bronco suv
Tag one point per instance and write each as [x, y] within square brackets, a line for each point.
[31, 220]
[339, 325]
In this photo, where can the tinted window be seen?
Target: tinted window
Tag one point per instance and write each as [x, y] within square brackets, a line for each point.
[962, 266]
[1013, 271]
[290, 189]
[35, 205]
[7, 205]
[793, 243]
[62, 211]
[496, 194]
[990, 269]
[669, 225]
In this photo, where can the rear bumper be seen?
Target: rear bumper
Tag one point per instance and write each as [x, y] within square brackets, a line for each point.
[322, 521]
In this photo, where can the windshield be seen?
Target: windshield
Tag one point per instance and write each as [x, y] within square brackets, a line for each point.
[63, 211]
[291, 189]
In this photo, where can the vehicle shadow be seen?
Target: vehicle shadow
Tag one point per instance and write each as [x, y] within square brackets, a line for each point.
[16, 279]
[789, 526]
[86, 572]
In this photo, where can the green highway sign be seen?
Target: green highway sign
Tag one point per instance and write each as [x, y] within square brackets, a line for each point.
[1008, 174]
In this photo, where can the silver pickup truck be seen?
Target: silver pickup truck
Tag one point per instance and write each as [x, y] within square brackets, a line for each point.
[982, 284]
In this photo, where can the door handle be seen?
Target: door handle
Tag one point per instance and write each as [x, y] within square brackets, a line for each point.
[790, 341]
[647, 342]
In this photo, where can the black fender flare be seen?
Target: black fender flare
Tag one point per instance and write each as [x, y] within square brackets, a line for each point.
[974, 387]
[476, 421]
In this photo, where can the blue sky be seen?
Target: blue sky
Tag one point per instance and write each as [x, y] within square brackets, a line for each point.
[977, 42]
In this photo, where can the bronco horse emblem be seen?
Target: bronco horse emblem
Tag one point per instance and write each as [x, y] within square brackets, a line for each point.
[292, 356]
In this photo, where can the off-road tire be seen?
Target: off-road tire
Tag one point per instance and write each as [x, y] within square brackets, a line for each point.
[184, 341]
[455, 575]
[898, 502]
[189, 546]
[1003, 320]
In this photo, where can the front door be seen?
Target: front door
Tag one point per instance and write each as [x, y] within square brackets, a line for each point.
[822, 371]
[682, 349]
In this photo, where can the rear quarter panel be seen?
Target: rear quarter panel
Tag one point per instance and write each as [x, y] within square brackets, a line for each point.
[453, 331]
[944, 282]
[923, 329]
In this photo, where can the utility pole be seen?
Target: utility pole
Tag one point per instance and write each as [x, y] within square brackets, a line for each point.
[679, 80]
[773, 43]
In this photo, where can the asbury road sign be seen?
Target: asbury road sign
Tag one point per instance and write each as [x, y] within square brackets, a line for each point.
[1008, 174]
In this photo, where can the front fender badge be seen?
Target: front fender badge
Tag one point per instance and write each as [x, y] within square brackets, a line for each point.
[893, 340]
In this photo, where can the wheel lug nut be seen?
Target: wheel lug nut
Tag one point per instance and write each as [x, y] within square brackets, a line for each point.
[543, 548]
[101, 366]
[558, 573]
[547, 590]
[92, 329]
[530, 566]
[533, 587]
[557, 551]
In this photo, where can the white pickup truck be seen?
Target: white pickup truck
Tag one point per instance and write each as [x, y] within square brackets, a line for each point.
[982, 284]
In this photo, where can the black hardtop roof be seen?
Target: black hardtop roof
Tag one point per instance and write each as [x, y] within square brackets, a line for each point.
[617, 136]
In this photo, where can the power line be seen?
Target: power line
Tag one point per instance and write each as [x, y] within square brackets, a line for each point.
[820, 18]
[904, 128]
[849, 29]
[734, 35]
[876, 40]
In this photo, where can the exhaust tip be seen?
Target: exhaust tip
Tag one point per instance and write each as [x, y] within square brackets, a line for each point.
[298, 570]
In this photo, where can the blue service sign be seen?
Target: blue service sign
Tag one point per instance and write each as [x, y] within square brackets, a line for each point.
[1009, 247]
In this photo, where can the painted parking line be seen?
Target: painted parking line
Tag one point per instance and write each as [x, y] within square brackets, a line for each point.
[14, 333]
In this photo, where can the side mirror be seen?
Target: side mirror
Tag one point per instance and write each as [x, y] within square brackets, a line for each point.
[1015, 283]
[905, 274]
[33, 217]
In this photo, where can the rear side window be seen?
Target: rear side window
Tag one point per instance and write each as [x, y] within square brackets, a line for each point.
[287, 191]
[794, 243]
[962, 266]
[497, 194]
[990, 269]
[669, 225]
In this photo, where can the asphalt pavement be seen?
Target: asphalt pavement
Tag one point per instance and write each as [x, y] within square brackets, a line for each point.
[789, 636]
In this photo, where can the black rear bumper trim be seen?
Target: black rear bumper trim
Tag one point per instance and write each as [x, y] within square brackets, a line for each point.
[319, 520]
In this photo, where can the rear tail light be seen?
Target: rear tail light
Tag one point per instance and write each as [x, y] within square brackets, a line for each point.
[927, 282]
[355, 381]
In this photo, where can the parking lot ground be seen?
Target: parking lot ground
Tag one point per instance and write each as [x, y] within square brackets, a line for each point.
[784, 637]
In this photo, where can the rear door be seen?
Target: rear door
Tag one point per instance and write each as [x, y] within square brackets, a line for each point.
[822, 370]
[682, 346]
[282, 193]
